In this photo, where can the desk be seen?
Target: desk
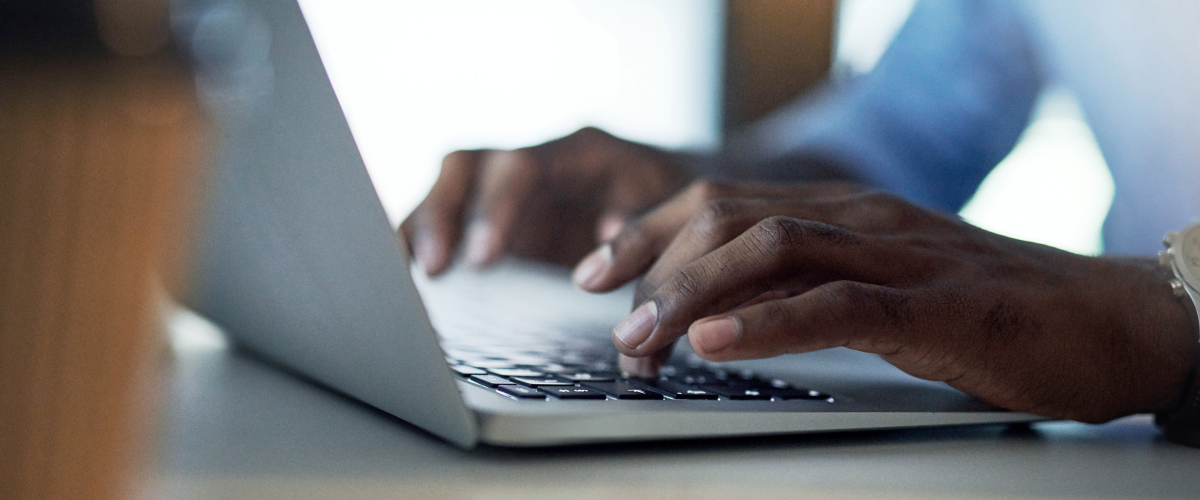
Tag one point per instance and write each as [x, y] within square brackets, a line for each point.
[235, 427]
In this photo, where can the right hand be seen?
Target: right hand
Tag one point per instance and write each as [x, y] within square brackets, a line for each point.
[552, 202]
[679, 231]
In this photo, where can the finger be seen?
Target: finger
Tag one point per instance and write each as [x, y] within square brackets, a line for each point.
[645, 367]
[506, 179]
[718, 223]
[724, 219]
[714, 213]
[639, 243]
[610, 224]
[865, 317]
[779, 253]
[434, 228]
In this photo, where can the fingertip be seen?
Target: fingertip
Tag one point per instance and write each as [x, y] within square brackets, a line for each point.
[644, 367]
[431, 255]
[480, 243]
[635, 329]
[589, 274]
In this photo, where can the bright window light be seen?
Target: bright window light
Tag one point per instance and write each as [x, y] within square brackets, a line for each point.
[1054, 188]
[417, 80]
[864, 30]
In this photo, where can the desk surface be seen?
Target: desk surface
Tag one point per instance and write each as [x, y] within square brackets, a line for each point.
[237, 428]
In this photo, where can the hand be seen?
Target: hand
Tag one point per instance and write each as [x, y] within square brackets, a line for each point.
[1020, 325]
[653, 240]
[552, 202]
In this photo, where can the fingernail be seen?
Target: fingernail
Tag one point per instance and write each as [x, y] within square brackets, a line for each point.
[588, 272]
[478, 243]
[638, 367]
[636, 328]
[715, 334]
[610, 226]
[425, 250]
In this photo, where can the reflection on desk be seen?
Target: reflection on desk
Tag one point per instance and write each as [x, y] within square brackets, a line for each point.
[236, 427]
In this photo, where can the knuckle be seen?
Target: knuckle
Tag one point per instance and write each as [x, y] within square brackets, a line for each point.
[845, 294]
[839, 302]
[778, 316]
[460, 157]
[715, 218]
[685, 283]
[780, 232]
[632, 240]
[787, 232]
[851, 299]
[588, 133]
[776, 238]
[722, 209]
[582, 140]
[520, 163]
[644, 290]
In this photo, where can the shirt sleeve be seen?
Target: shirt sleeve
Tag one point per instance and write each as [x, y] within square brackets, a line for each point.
[946, 102]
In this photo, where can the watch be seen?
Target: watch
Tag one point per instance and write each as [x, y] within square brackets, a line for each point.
[1183, 258]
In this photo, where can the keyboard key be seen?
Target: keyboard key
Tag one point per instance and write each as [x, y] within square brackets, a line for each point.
[467, 371]
[676, 390]
[520, 391]
[623, 390]
[540, 381]
[515, 372]
[740, 392]
[602, 366]
[571, 358]
[572, 392]
[489, 380]
[799, 393]
[552, 368]
[590, 376]
[697, 378]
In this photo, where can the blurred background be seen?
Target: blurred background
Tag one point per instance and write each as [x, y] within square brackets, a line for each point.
[420, 79]
[101, 135]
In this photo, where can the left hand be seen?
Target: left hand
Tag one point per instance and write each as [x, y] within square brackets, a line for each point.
[1020, 325]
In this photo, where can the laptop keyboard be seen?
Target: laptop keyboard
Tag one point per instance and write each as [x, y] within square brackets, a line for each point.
[589, 374]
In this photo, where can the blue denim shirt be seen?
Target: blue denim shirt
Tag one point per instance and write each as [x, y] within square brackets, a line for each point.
[953, 92]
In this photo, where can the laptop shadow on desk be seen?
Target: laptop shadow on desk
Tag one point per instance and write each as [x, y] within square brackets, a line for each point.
[231, 419]
[251, 388]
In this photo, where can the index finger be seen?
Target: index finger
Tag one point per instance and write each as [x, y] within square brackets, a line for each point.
[434, 228]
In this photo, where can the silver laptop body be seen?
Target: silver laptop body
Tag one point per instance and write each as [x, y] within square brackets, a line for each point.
[300, 266]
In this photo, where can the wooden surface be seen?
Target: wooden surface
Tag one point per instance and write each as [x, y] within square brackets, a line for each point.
[94, 155]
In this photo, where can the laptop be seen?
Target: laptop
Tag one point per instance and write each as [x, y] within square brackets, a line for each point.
[299, 265]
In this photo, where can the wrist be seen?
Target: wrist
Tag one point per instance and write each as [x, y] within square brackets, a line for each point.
[1177, 326]
[1159, 345]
